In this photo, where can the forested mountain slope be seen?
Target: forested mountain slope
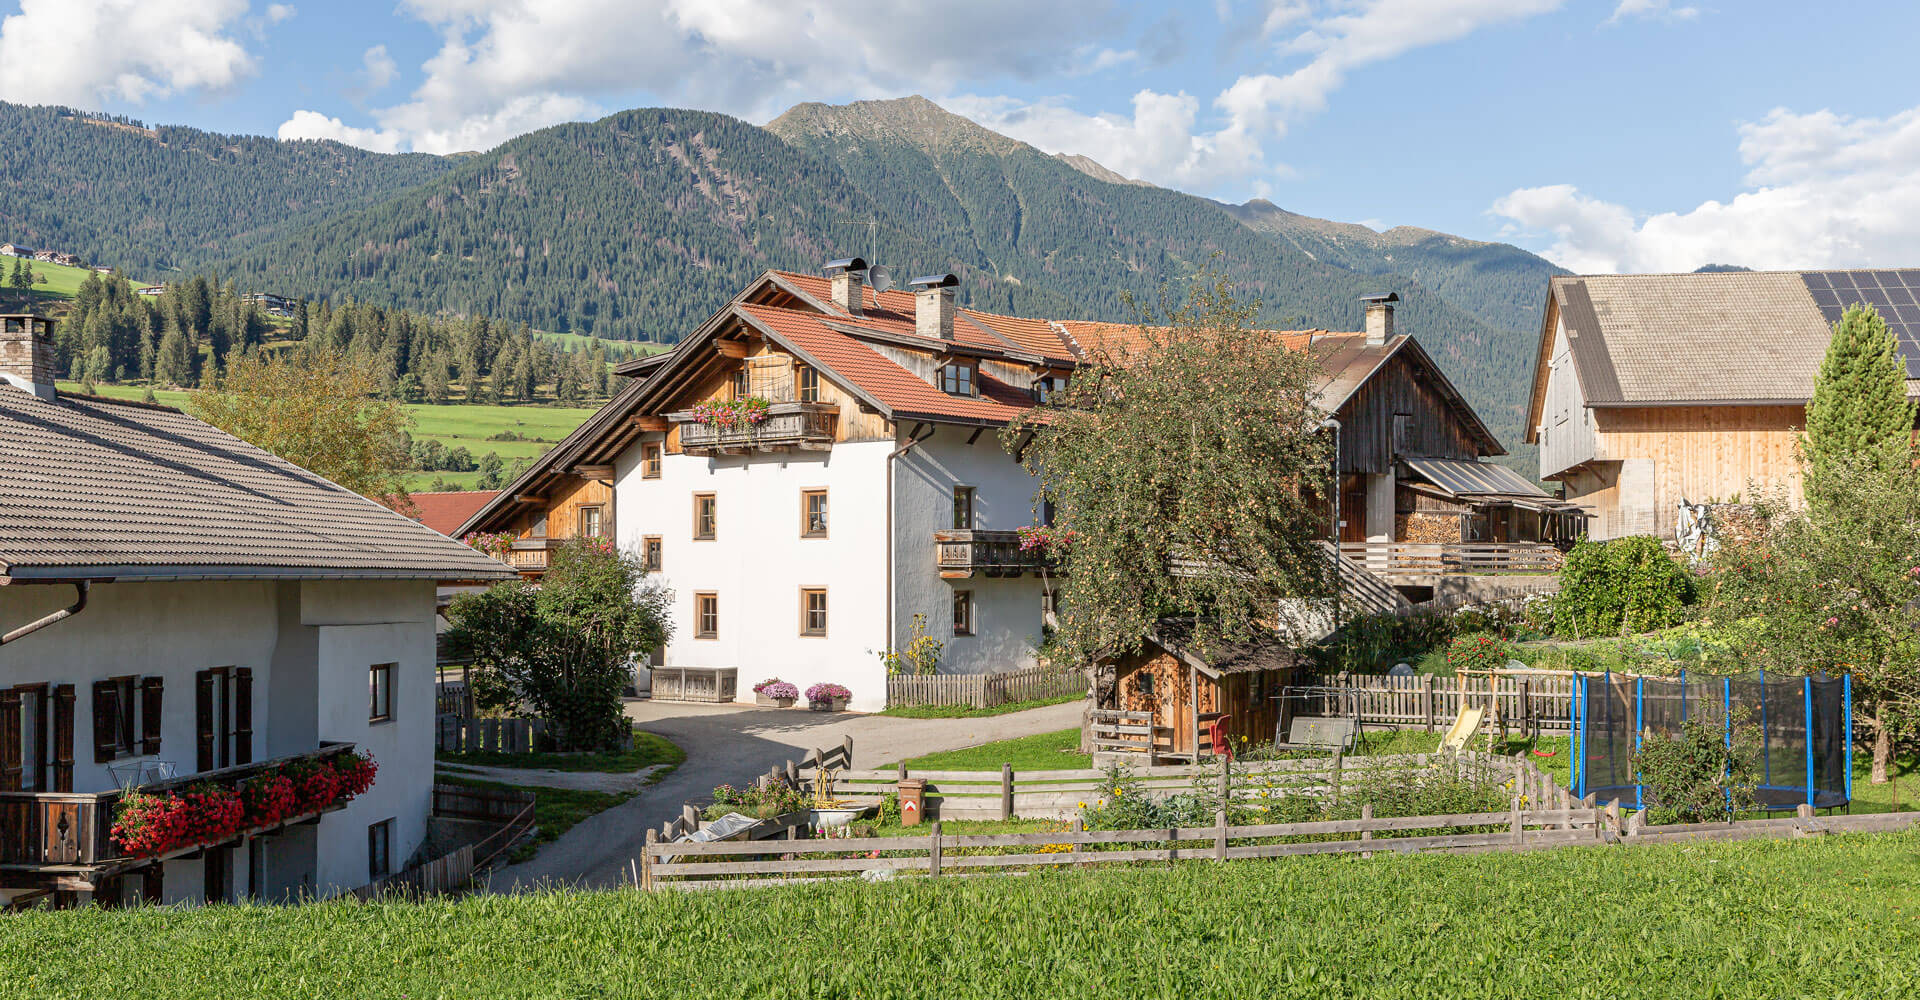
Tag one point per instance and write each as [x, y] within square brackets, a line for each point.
[150, 200]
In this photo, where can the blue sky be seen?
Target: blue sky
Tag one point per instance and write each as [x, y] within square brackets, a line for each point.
[1608, 135]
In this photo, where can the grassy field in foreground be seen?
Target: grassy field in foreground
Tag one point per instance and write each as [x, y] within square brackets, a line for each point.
[648, 749]
[1825, 917]
[1059, 751]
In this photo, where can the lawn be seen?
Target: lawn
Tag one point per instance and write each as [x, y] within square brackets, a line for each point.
[1042, 752]
[648, 749]
[1822, 917]
[970, 712]
[62, 282]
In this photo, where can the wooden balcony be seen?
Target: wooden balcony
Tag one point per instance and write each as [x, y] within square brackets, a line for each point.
[962, 552]
[529, 555]
[805, 426]
[59, 840]
[1398, 561]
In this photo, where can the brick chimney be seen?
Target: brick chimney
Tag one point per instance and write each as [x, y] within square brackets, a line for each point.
[26, 353]
[1380, 317]
[933, 306]
[849, 281]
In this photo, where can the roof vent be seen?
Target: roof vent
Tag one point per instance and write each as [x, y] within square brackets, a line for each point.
[849, 281]
[933, 307]
[1380, 317]
[26, 353]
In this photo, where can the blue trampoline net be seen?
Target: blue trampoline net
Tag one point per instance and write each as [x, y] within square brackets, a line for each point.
[1804, 722]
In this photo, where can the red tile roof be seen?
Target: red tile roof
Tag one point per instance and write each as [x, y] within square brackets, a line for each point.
[892, 312]
[446, 512]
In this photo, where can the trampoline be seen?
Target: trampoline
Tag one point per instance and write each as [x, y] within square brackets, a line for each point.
[1805, 723]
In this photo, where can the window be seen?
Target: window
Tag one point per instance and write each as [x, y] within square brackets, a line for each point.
[33, 746]
[223, 717]
[813, 611]
[590, 521]
[115, 719]
[706, 616]
[741, 386]
[1043, 388]
[813, 513]
[1402, 435]
[650, 553]
[650, 460]
[704, 520]
[1046, 513]
[539, 529]
[963, 612]
[956, 378]
[807, 378]
[379, 850]
[380, 692]
[963, 506]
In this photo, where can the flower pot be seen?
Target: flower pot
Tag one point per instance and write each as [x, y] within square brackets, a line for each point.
[765, 702]
[828, 705]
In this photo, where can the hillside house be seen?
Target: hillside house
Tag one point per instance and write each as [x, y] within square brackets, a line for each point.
[16, 250]
[876, 495]
[196, 609]
[1651, 389]
[271, 304]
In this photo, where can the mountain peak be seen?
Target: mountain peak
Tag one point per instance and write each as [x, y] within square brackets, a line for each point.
[913, 120]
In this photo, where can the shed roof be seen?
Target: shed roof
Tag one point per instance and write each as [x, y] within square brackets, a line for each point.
[93, 488]
[446, 511]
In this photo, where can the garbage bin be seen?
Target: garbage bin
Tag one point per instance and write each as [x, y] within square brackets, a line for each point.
[913, 793]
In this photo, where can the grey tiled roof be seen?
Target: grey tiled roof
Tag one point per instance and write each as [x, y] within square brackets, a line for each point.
[100, 488]
[1740, 336]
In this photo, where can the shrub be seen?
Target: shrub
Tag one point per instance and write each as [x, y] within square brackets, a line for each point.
[1623, 585]
[1478, 651]
[776, 688]
[760, 803]
[1697, 775]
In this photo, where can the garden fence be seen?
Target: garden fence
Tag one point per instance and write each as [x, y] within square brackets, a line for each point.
[984, 690]
[460, 734]
[1531, 702]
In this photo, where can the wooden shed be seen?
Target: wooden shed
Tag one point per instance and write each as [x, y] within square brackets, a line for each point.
[1165, 697]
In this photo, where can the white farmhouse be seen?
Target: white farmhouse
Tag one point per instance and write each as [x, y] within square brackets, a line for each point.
[174, 601]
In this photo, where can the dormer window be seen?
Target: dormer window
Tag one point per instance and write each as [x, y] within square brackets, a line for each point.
[1043, 388]
[957, 378]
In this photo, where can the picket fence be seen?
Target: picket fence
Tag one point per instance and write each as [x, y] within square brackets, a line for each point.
[984, 690]
[457, 734]
[1531, 702]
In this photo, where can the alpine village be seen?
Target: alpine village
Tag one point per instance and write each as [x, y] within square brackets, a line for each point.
[887, 552]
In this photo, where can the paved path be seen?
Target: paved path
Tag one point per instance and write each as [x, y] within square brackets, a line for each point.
[734, 745]
[592, 781]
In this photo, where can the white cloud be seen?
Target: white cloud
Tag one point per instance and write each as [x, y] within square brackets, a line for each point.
[379, 67]
[505, 66]
[1823, 190]
[277, 12]
[87, 52]
[314, 125]
[1158, 143]
[1662, 10]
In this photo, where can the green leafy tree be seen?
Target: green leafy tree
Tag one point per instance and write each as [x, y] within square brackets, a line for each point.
[1183, 476]
[321, 413]
[563, 647]
[1619, 586]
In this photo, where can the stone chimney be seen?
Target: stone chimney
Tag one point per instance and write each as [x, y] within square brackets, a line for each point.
[1380, 317]
[849, 283]
[26, 353]
[933, 307]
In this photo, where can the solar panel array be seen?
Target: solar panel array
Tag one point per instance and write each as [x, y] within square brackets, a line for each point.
[1895, 295]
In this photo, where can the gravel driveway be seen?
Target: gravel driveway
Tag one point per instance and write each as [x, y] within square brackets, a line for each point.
[728, 744]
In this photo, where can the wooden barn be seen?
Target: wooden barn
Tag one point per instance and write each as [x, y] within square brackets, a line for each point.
[1165, 698]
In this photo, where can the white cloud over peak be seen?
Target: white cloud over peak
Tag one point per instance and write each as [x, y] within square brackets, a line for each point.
[314, 125]
[87, 52]
[1823, 190]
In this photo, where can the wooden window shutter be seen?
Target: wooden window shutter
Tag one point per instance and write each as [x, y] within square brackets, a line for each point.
[203, 721]
[150, 714]
[9, 741]
[243, 715]
[106, 721]
[63, 738]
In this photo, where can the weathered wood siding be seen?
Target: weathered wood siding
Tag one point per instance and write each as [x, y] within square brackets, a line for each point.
[1650, 458]
[1566, 425]
[1434, 429]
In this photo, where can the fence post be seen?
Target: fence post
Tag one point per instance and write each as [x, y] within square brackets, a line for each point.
[1426, 684]
[690, 817]
[1006, 791]
[646, 860]
[1079, 853]
[933, 850]
[846, 751]
[1519, 827]
[1220, 835]
[1366, 832]
[793, 774]
[1613, 816]
[1339, 758]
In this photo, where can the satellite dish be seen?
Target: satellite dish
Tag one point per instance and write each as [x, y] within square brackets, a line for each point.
[879, 278]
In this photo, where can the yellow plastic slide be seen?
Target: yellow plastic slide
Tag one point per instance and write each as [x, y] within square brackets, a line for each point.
[1463, 728]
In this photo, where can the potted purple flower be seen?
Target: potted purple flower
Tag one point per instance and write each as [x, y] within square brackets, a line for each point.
[825, 697]
[775, 693]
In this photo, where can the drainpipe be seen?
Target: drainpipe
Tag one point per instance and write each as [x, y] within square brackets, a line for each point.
[80, 603]
[914, 437]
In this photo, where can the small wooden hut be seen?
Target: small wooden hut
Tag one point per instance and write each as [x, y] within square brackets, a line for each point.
[1165, 697]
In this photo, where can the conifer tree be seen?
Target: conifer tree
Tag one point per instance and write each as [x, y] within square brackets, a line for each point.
[1859, 415]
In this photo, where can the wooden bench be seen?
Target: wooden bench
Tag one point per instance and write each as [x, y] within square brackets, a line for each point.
[1313, 731]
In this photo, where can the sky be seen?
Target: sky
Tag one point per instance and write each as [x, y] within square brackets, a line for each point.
[1606, 135]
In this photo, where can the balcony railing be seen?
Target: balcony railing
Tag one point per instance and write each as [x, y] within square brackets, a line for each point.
[962, 552]
[530, 553]
[788, 425]
[1453, 558]
[67, 833]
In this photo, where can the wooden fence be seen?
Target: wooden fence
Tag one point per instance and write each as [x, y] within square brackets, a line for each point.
[794, 774]
[1531, 702]
[455, 870]
[456, 734]
[443, 874]
[453, 698]
[984, 690]
[466, 802]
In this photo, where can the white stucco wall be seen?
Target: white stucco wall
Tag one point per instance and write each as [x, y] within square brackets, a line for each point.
[308, 646]
[757, 563]
[1007, 618]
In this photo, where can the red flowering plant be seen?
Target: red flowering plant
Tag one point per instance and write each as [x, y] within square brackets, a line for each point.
[731, 413]
[494, 543]
[1041, 538]
[149, 824]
